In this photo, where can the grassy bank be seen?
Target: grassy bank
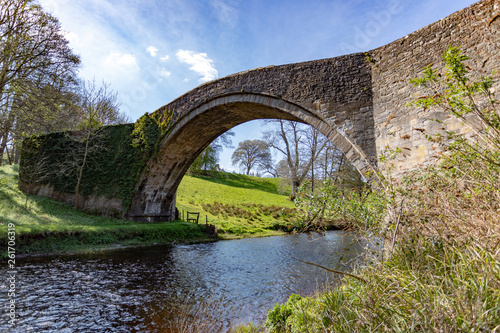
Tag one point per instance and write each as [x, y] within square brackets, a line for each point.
[238, 205]
[424, 287]
[47, 226]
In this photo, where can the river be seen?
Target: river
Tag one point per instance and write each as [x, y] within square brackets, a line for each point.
[149, 289]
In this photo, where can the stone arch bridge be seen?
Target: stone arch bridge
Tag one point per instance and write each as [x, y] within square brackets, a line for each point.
[358, 101]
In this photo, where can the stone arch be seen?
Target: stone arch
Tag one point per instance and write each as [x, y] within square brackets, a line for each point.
[196, 129]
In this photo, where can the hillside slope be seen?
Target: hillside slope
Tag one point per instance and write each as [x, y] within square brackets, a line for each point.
[238, 205]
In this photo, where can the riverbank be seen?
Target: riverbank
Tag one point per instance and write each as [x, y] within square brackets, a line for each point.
[43, 226]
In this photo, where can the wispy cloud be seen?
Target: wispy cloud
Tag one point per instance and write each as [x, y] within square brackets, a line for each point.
[200, 63]
[165, 58]
[120, 65]
[164, 72]
[153, 51]
[122, 60]
[224, 12]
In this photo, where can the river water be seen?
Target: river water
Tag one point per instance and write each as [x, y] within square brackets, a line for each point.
[149, 289]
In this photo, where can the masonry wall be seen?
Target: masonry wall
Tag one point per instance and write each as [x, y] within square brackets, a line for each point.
[476, 30]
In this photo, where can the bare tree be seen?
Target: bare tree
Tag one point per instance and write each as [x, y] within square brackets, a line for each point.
[98, 105]
[300, 144]
[250, 154]
[328, 161]
[83, 148]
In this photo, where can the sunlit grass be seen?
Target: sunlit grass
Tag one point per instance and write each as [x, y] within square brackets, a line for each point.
[238, 205]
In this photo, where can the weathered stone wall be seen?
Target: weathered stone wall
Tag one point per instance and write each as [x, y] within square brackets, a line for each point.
[474, 29]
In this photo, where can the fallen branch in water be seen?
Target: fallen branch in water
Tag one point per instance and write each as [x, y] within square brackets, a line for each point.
[332, 270]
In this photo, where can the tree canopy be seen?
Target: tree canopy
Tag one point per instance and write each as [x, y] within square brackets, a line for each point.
[250, 154]
[209, 157]
[36, 64]
[40, 91]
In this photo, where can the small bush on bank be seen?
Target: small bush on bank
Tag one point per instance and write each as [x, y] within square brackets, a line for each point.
[424, 287]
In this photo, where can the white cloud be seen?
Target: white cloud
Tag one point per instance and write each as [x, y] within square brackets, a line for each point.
[153, 51]
[165, 58]
[164, 72]
[120, 66]
[72, 37]
[200, 63]
[122, 60]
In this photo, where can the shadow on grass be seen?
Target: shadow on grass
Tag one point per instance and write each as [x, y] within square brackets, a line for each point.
[237, 180]
[43, 211]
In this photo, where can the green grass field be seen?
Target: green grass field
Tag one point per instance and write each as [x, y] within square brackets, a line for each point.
[238, 205]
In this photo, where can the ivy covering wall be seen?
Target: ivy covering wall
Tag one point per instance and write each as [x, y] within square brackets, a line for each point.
[111, 159]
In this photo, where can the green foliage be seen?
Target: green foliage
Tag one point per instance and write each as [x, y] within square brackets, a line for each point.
[149, 129]
[331, 204]
[277, 317]
[207, 160]
[470, 99]
[116, 157]
[248, 328]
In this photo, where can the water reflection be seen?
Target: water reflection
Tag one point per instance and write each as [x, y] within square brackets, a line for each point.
[144, 290]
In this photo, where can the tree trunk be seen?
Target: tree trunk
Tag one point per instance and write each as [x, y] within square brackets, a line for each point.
[80, 172]
[312, 179]
[3, 144]
[295, 186]
[9, 157]
[7, 127]
[16, 156]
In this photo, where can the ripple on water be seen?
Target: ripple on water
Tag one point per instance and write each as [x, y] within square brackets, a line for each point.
[144, 289]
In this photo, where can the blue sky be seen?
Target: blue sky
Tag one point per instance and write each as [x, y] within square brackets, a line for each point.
[152, 51]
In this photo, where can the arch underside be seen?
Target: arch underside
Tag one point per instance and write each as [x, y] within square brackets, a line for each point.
[156, 194]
